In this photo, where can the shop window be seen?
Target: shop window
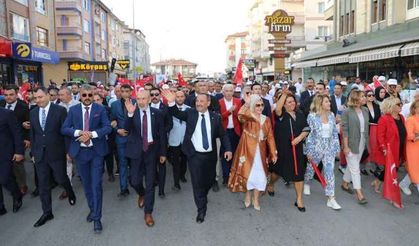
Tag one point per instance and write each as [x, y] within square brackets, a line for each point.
[42, 36]
[87, 47]
[41, 6]
[20, 27]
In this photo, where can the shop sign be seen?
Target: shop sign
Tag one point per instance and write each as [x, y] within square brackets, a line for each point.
[45, 56]
[88, 66]
[279, 22]
[22, 50]
[5, 48]
[124, 64]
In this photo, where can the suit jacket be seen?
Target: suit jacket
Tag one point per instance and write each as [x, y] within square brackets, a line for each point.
[388, 133]
[119, 113]
[305, 106]
[168, 122]
[377, 113]
[304, 96]
[22, 114]
[190, 116]
[190, 99]
[10, 137]
[334, 106]
[99, 122]
[225, 114]
[135, 140]
[351, 128]
[51, 138]
[213, 107]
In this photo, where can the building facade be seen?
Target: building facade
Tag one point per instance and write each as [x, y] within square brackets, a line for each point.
[372, 37]
[136, 50]
[172, 67]
[237, 46]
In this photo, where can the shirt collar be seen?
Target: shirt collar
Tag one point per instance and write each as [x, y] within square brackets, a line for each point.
[47, 107]
[156, 105]
[146, 108]
[13, 104]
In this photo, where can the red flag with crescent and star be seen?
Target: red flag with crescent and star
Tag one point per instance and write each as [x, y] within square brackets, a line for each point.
[238, 76]
[391, 189]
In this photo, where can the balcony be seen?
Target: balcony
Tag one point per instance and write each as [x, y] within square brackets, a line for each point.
[329, 13]
[68, 5]
[77, 54]
[69, 30]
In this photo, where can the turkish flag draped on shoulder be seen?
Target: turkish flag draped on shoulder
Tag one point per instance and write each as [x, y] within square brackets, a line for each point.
[238, 77]
[181, 82]
[23, 91]
[391, 189]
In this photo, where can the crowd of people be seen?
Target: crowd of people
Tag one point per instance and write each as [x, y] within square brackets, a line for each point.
[266, 132]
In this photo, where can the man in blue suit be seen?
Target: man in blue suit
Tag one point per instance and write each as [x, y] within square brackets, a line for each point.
[48, 150]
[199, 145]
[119, 114]
[87, 124]
[147, 142]
[12, 149]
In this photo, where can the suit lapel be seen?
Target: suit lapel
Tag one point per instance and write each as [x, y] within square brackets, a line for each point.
[212, 124]
[92, 113]
[37, 118]
[49, 115]
[153, 119]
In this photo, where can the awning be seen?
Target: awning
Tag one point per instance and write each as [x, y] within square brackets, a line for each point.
[410, 49]
[375, 54]
[304, 64]
[333, 60]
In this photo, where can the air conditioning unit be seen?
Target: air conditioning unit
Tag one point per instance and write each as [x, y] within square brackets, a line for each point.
[348, 41]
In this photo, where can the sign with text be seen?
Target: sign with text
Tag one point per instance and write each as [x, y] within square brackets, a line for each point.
[123, 64]
[279, 22]
[279, 41]
[88, 66]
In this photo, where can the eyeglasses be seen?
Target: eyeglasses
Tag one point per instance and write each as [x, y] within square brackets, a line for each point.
[259, 105]
[53, 95]
[155, 94]
[87, 95]
[370, 95]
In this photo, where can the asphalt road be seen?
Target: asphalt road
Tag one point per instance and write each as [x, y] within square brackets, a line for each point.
[227, 223]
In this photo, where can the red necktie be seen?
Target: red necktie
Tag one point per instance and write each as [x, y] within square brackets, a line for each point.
[86, 123]
[145, 131]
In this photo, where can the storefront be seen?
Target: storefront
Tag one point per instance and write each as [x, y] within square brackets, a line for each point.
[88, 71]
[5, 61]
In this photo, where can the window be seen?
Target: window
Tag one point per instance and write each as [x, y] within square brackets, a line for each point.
[86, 25]
[87, 47]
[374, 11]
[103, 35]
[40, 6]
[383, 10]
[412, 4]
[103, 17]
[103, 54]
[352, 22]
[64, 44]
[42, 36]
[379, 10]
[321, 7]
[24, 2]
[64, 20]
[322, 31]
[20, 27]
[347, 17]
[86, 4]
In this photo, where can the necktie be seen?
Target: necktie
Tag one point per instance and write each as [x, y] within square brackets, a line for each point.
[9, 106]
[145, 131]
[43, 119]
[204, 133]
[86, 126]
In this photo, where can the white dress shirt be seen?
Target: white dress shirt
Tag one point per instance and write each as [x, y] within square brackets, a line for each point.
[197, 135]
[77, 132]
[177, 133]
[149, 131]
[46, 113]
[229, 104]
[13, 105]
[155, 105]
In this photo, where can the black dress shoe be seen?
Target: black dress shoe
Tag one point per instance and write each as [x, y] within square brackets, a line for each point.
[215, 187]
[200, 218]
[97, 226]
[3, 211]
[111, 178]
[123, 193]
[72, 198]
[183, 180]
[176, 188]
[35, 193]
[161, 194]
[89, 218]
[271, 193]
[17, 204]
[301, 209]
[44, 218]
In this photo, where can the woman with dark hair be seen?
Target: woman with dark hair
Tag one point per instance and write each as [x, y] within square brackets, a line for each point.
[290, 130]
[380, 94]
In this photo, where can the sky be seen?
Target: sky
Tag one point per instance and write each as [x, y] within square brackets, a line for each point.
[194, 30]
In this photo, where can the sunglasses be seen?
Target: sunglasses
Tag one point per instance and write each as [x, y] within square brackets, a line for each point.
[87, 95]
[259, 105]
[247, 93]
[370, 95]
[155, 94]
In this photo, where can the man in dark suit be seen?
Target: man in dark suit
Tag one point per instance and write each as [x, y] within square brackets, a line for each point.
[308, 92]
[202, 129]
[338, 100]
[201, 87]
[12, 150]
[53, 94]
[168, 124]
[119, 116]
[21, 111]
[147, 142]
[320, 89]
[257, 89]
[48, 150]
[87, 124]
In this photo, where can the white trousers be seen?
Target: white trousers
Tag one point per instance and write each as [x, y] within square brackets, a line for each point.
[352, 172]
[405, 183]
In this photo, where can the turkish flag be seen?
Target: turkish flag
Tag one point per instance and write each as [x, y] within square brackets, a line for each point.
[181, 82]
[238, 77]
[319, 174]
[23, 91]
[391, 189]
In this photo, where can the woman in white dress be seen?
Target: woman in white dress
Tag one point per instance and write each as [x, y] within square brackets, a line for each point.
[257, 145]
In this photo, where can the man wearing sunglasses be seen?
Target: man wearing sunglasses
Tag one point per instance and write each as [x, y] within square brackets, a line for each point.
[168, 124]
[87, 124]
